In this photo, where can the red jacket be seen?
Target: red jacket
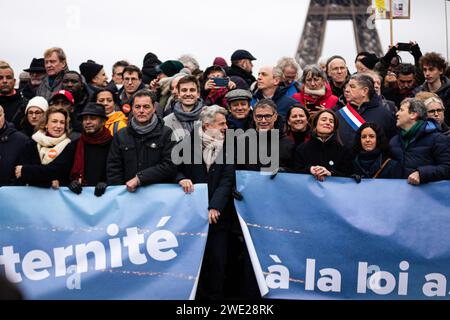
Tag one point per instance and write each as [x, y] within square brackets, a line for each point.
[328, 100]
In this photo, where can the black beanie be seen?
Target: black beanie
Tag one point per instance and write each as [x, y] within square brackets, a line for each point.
[369, 61]
[89, 70]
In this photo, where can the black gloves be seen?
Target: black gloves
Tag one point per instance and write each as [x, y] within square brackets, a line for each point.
[75, 187]
[100, 189]
[356, 177]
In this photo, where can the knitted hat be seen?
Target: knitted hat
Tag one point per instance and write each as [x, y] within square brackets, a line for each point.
[38, 102]
[219, 61]
[89, 70]
[170, 67]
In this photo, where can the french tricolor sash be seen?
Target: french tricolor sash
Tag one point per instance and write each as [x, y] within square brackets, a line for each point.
[351, 117]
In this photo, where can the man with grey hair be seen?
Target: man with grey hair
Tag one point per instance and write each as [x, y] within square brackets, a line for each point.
[55, 65]
[421, 148]
[291, 73]
[268, 87]
[363, 105]
[206, 164]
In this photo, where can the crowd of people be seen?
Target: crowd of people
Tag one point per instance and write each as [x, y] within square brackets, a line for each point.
[61, 127]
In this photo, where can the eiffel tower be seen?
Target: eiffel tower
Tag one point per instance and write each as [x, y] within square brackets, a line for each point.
[320, 11]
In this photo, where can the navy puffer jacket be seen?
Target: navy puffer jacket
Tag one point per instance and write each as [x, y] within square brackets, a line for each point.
[428, 152]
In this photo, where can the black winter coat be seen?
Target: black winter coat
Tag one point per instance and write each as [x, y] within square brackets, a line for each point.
[12, 145]
[329, 154]
[14, 108]
[36, 174]
[372, 111]
[220, 180]
[367, 164]
[147, 156]
[428, 152]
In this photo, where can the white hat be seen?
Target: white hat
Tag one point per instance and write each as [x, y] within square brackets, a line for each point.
[38, 102]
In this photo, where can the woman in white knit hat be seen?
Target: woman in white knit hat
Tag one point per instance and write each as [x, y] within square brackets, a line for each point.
[34, 112]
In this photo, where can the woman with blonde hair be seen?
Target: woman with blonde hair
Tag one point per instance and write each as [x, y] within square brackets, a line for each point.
[48, 158]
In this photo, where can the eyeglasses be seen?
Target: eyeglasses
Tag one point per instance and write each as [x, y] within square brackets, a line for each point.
[263, 116]
[433, 111]
[35, 113]
[130, 79]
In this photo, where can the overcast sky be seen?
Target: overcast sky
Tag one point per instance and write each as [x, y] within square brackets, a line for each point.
[107, 31]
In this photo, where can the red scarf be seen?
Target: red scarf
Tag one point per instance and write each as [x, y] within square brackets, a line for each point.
[102, 137]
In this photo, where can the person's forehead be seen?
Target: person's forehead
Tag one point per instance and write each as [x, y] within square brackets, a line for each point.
[337, 63]
[52, 56]
[143, 100]
[131, 74]
[407, 76]
[71, 76]
[188, 85]
[239, 101]
[6, 72]
[263, 109]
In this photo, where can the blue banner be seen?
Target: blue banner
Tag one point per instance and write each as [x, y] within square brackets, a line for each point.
[380, 239]
[143, 245]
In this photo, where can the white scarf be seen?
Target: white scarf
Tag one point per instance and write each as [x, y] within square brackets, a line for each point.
[316, 93]
[211, 148]
[48, 147]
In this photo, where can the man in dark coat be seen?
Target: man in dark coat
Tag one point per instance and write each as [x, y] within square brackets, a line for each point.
[89, 165]
[37, 73]
[12, 144]
[421, 149]
[266, 148]
[268, 84]
[140, 154]
[363, 100]
[206, 144]
[241, 67]
[12, 100]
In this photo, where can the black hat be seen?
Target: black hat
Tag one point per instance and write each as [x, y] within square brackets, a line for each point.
[89, 70]
[37, 65]
[369, 61]
[94, 109]
[242, 54]
[151, 60]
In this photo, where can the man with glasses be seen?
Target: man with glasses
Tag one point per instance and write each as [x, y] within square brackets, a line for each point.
[140, 154]
[267, 148]
[132, 82]
[421, 148]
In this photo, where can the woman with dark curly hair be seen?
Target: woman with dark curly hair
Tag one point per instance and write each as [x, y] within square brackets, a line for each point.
[297, 126]
[371, 154]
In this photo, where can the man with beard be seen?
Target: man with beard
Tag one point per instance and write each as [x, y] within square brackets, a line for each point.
[12, 100]
[89, 166]
[404, 86]
[186, 110]
[37, 73]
